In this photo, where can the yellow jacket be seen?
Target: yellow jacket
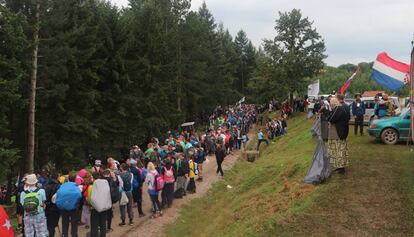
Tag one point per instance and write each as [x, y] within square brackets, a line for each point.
[192, 169]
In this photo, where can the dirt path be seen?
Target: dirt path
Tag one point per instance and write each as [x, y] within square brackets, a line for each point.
[146, 227]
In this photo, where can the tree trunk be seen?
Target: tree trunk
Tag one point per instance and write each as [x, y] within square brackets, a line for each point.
[179, 82]
[9, 187]
[32, 96]
[242, 81]
[291, 101]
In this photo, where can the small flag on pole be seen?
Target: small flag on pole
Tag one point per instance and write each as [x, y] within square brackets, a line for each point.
[348, 82]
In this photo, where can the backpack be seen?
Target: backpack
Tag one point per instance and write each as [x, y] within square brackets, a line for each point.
[68, 197]
[101, 195]
[179, 193]
[136, 182]
[158, 183]
[63, 179]
[115, 193]
[201, 157]
[31, 202]
[144, 173]
[192, 166]
[169, 175]
[127, 179]
[51, 190]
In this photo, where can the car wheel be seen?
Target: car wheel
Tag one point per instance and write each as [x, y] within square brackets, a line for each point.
[389, 136]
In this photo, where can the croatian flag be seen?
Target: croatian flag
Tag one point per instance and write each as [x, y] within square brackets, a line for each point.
[390, 73]
[348, 82]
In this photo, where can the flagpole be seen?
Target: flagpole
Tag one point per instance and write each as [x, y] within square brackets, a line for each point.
[412, 90]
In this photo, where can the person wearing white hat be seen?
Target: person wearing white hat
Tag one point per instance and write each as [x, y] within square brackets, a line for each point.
[33, 201]
[97, 166]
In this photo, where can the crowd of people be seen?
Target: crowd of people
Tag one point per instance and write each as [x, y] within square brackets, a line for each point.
[169, 170]
[299, 104]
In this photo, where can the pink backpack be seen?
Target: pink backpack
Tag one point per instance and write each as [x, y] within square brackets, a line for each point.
[169, 175]
[159, 183]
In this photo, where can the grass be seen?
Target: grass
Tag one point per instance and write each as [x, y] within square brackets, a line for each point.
[269, 198]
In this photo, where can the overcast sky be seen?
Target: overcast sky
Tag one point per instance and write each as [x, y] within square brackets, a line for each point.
[354, 30]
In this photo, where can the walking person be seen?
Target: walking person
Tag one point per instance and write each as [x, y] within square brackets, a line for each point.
[127, 179]
[33, 201]
[115, 196]
[245, 138]
[137, 185]
[260, 139]
[68, 201]
[52, 212]
[19, 207]
[201, 157]
[151, 180]
[220, 154]
[169, 178]
[101, 201]
[358, 111]
[182, 176]
[86, 213]
[191, 187]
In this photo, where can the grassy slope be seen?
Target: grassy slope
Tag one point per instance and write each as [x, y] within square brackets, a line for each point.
[269, 197]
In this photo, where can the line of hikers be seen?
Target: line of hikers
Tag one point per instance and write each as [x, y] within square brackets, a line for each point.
[89, 195]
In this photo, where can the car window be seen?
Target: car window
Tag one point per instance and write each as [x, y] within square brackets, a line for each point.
[369, 104]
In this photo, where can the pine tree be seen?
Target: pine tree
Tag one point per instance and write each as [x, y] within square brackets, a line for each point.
[13, 47]
[246, 60]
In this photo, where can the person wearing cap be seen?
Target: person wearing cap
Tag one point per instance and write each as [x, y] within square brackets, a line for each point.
[136, 153]
[358, 111]
[34, 218]
[97, 166]
[386, 107]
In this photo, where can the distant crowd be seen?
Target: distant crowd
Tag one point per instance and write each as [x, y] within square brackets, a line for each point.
[165, 170]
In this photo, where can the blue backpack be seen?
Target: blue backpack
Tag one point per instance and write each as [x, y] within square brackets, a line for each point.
[68, 197]
[136, 183]
[144, 173]
[127, 180]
